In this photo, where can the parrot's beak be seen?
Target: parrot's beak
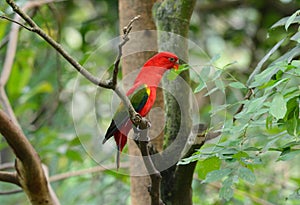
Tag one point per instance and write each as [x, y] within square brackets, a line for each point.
[176, 65]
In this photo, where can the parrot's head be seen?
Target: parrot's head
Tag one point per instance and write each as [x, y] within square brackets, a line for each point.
[166, 60]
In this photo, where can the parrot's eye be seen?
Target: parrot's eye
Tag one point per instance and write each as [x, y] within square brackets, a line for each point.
[172, 59]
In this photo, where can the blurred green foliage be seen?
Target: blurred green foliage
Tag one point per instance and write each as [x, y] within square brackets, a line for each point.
[256, 159]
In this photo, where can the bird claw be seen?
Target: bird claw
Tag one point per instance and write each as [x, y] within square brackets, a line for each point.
[138, 128]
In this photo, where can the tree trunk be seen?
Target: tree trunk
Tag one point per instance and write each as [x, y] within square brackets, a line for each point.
[172, 20]
[142, 45]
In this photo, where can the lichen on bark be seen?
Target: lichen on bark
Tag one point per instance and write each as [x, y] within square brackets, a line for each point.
[172, 21]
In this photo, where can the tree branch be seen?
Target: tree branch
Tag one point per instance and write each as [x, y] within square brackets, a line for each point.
[256, 71]
[91, 170]
[10, 177]
[16, 22]
[36, 29]
[183, 177]
[126, 31]
[8, 165]
[30, 174]
[142, 140]
[10, 55]
[58, 177]
[109, 84]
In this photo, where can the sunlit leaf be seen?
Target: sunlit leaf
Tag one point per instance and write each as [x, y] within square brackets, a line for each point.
[237, 85]
[215, 58]
[283, 21]
[172, 75]
[278, 106]
[74, 155]
[208, 165]
[291, 20]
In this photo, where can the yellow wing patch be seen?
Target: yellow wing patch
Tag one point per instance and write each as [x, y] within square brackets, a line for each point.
[147, 89]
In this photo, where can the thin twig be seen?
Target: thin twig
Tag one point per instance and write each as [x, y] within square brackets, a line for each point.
[241, 107]
[7, 165]
[262, 61]
[256, 71]
[126, 31]
[67, 175]
[110, 84]
[16, 22]
[36, 29]
[11, 192]
[10, 55]
[91, 170]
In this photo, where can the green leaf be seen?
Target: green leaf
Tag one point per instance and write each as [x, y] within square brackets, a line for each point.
[251, 160]
[292, 109]
[278, 106]
[74, 155]
[283, 21]
[43, 87]
[188, 160]
[220, 85]
[229, 64]
[296, 37]
[240, 155]
[237, 85]
[293, 126]
[247, 175]
[200, 86]
[217, 175]
[291, 19]
[215, 58]
[295, 195]
[205, 72]
[172, 75]
[288, 155]
[208, 165]
[290, 144]
[296, 63]
[255, 104]
[260, 77]
[226, 191]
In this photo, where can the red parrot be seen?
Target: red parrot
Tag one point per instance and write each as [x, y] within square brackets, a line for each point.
[142, 96]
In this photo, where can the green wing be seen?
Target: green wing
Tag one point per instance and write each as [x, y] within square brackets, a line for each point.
[140, 97]
[138, 100]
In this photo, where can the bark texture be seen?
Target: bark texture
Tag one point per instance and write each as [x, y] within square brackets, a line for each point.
[172, 21]
[142, 46]
[30, 174]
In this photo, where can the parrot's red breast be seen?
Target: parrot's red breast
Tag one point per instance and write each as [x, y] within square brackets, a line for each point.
[142, 96]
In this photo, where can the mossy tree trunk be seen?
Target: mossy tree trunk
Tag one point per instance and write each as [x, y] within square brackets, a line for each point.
[172, 21]
[142, 46]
